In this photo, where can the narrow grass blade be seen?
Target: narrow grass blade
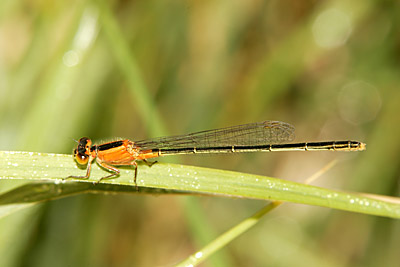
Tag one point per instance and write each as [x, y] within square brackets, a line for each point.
[227, 237]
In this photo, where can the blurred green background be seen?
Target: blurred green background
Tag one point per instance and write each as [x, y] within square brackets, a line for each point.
[140, 69]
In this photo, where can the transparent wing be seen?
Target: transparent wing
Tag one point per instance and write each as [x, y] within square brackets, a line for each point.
[259, 133]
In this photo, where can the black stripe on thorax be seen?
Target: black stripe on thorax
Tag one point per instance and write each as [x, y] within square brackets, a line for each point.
[109, 145]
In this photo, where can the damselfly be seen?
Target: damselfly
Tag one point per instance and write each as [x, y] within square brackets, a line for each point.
[267, 136]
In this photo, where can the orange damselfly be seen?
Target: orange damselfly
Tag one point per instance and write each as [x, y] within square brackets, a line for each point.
[267, 136]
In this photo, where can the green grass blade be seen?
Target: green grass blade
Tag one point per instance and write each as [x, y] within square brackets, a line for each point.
[228, 236]
[126, 61]
[41, 167]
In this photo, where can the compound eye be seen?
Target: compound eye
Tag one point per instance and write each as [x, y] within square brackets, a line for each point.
[81, 153]
[81, 159]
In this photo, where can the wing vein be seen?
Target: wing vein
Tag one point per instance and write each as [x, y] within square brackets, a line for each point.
[259, 133]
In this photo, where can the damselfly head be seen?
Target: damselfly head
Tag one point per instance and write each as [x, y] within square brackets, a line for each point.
[82, 152]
